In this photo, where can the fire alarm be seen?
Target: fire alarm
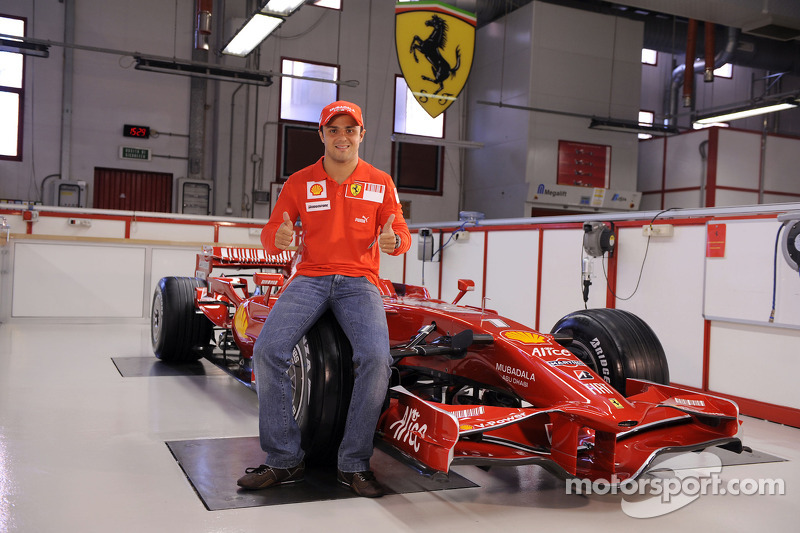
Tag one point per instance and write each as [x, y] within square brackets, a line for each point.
[29, 215]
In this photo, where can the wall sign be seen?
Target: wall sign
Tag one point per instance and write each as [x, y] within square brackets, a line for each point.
[715, 242]
[435, 43]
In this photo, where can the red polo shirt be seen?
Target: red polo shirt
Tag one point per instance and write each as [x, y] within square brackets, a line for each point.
[340, 223]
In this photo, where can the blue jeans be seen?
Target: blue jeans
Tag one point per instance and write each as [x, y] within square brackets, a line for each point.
[358, 307]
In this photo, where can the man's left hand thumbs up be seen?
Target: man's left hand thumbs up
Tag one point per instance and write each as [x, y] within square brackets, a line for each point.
[387, 240]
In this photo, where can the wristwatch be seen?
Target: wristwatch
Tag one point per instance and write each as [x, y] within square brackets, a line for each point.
[397, 241]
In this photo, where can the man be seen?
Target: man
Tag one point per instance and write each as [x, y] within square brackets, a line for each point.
[349, 213]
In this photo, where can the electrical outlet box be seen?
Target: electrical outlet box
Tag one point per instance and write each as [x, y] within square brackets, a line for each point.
[79, 222]
[658, 230]
[461, 236]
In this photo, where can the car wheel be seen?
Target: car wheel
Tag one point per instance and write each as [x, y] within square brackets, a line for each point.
[178, 332]
[322, 382]
[616, 344]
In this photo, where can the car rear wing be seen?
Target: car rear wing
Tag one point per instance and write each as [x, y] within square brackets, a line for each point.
[240, 258]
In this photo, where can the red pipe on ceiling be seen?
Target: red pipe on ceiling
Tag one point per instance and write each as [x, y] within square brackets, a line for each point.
[202, 29]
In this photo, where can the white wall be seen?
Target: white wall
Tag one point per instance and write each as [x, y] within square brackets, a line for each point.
[108, 92]
[742, 170]
[530, 273]
[549, 57]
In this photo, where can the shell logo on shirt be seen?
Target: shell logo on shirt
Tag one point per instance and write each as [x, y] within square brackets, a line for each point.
[316, 189]
[372, 192]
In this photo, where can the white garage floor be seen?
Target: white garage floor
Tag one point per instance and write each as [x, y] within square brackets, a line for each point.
[83, 449]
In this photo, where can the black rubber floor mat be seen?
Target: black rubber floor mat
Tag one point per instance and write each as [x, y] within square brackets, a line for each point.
[137, 367]
[213, 466]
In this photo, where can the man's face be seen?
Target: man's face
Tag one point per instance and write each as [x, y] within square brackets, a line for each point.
[342, 137]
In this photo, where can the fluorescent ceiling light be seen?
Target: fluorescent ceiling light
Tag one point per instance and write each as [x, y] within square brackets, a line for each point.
[735, 114]
[282, 7]
[254, 31]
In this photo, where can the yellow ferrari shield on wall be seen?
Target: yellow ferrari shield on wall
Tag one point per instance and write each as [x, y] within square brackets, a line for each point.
[435, 44]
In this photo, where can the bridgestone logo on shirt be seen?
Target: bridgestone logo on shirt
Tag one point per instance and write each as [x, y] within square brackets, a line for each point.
[318, 206]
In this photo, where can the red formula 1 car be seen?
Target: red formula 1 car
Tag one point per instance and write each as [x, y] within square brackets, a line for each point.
[590, 399]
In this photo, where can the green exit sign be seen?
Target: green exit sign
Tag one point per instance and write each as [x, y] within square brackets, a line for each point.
[129, 152]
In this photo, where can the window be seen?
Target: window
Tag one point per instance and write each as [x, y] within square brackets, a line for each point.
[725, 71]
[416, 168]
[410, 117]
[12, 70]
[646, 119]
[332, 4]
[649, 57]
[301, 148]
[303, 99]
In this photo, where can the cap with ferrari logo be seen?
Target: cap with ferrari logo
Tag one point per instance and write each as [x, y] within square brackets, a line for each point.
[340, 107]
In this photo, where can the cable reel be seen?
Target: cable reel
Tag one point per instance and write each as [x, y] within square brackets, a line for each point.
[791, 243]
[598, 238]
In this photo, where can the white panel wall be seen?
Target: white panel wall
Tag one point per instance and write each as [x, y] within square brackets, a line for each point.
[167, 231]
[685, 198]
[239, 235]
[167, 262]
[738, 160]
[392, 265]
[730, 198]
[419, 272]
[651, 166]
[74, 280]
[50, 225]
[739, 285]
[667, 296]
[755, 362]
[562, 285]
[513, 255]
[460, 260]
[685, 166]
[781, 165]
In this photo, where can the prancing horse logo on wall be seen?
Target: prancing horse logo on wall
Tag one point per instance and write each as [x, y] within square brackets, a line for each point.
[435, 44]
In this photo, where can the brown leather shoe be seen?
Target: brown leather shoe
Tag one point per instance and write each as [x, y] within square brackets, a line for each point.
[264, 476]
[362, 483]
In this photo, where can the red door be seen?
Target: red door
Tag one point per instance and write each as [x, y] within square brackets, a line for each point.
[132, 190]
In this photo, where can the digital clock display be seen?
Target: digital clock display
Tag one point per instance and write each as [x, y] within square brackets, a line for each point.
[142, 132]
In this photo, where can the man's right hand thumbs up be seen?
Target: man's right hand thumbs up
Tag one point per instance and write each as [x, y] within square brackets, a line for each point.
[285, 234]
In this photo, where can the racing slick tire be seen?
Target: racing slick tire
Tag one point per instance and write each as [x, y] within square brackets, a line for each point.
[616, 344]
[322, 382]
[178, 332]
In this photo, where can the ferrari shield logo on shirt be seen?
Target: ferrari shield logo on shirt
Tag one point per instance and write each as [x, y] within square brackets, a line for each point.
[316, 190]
[435, 43]
[372, 192]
